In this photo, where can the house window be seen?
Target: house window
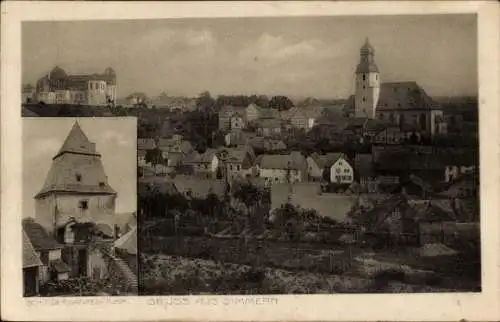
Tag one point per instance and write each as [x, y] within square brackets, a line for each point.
[364, 77]
[376, 77]
[44, 257]
[83, 204]
[78, 177]
[238, 167]
[338, 171]
[346, 170]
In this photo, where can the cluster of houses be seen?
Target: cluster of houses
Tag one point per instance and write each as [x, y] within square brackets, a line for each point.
[380, 115]
[242, 162]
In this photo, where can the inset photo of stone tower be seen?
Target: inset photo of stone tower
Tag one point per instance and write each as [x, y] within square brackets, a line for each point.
[79, 207]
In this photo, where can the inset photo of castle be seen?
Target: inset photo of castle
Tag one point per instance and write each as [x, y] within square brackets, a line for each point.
[79, 207]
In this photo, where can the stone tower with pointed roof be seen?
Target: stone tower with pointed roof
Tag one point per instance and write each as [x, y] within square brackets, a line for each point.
[76, 187]
[367, 83]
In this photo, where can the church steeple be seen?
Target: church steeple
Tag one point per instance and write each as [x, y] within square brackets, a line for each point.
[367, 59]
[367, 83]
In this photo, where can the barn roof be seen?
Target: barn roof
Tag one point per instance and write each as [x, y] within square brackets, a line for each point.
[30, 257]
[38, 236]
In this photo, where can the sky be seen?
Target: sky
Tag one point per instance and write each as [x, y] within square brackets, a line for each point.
[115, 139]
[293, 56]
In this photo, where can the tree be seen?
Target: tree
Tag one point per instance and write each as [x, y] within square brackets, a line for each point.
[281, 103]
[262, 101]
[205, 102]
[154, 156]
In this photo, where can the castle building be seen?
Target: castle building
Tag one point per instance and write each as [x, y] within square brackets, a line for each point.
[57, 87]
[76, 206]
[403, 104]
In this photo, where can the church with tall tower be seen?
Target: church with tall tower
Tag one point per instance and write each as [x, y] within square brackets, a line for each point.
[367, 83]
[403, 104]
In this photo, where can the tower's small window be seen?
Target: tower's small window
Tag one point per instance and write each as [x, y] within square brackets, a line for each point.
[363, 86]
[83, 204]
[364, 99]
[364, 77]
[78, 177]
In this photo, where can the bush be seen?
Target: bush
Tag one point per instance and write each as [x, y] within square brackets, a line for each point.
[433, 280]
[382, 279]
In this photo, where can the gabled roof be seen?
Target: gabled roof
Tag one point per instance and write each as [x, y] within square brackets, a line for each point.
[234, 155]
[59, 266]
[39, 238]
[269, 113]
[308, 113]
[329, 159]
[229, 110]
[153, 184]
[253, 105]
[198, 187]
[404, 95]
[77, 142]
[30, 257]
[167, 145]
[128, 241]
[269, 123]
[280, 161]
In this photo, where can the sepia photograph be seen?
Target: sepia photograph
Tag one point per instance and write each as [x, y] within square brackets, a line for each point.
[79, 220]
[258, 161]
[308, 155]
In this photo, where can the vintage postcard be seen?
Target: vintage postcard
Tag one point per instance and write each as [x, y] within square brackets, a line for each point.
[250, 161]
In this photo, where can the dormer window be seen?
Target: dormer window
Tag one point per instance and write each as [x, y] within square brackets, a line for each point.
[101, 184]
[78, 177]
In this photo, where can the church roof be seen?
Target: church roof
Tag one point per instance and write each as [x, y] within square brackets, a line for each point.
[367, 48]
[366, 66]
[404, 95]
[77, 167]
[366, 63]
